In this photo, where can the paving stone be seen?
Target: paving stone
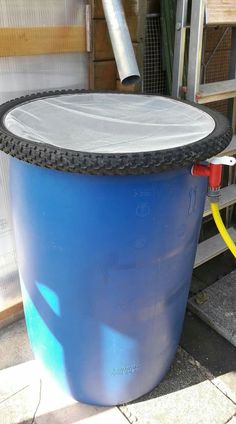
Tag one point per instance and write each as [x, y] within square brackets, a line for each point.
[14, 345]
[21, 389]
[227, 384]
[216, 268]
[22, 393]
[212, 351]
[196, 285]
[20, 407]
[17, 378]
[185, 396]
[208, 347]
[232, 421]
[219, 309]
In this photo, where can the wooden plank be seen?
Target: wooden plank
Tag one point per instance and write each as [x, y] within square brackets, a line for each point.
[234, 116]
[231, 149]
[10, 311]
[104, 75]
[102, 48]
[125, 88]
[132, 22]
[42, 40]
[212, 247]
[221, 12]
[102, 63]
[227, 198]
[130, 7]
[216, 91]
[213, 34]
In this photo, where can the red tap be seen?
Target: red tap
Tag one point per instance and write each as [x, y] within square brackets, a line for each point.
[212, 171]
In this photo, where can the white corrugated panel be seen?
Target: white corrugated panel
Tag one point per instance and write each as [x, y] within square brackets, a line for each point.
[23, 75]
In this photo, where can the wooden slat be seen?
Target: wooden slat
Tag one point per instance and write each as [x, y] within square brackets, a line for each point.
[41, 40]
[125, 88]
[221, 12]
[102, 64]
[227, 198]
[212, 247]
[102, 48]
[214, 34]
[231, 149]
[103, 76]
[10, 311]
[130, 7]
[216, 91]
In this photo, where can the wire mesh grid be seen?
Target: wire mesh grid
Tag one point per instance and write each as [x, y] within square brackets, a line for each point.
[154, 81]
[216, 60]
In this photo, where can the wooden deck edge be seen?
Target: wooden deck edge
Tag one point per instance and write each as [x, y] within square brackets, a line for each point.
[10, 312]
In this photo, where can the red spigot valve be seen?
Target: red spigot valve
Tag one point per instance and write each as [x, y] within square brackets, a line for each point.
[213, 170]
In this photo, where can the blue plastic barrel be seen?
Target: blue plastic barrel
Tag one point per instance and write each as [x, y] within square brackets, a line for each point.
[105, 266]
[105, 256]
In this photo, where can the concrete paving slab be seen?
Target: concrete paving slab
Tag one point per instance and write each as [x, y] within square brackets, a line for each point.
[23, 395]
[213, 352]
[22, 391]
[227, 384]
[15, 379]
[196, 400]
[20, 407]
[14, 345]
[196, 285]
[219, 307]
[232, 421]
[207, 346]
[186, 396]
[214, 269]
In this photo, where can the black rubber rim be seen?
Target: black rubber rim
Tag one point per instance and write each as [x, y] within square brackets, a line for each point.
[48, 156]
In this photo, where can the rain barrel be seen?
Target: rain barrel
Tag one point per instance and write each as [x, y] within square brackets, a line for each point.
[107, 216]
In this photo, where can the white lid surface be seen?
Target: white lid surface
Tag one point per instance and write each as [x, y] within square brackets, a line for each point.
[109, 123]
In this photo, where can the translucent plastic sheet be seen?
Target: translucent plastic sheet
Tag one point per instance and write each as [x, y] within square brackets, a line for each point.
[9, 282]
[110, 123]
[28, 74]
[27, 13]
[25, 75]
[22, 75]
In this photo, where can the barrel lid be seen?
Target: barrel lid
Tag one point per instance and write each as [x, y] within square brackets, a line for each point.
[110, 123]
[109, 126]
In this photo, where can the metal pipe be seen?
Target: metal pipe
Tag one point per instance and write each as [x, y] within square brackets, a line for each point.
[121, 42]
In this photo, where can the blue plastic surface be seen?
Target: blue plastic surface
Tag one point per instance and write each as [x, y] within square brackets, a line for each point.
[105, 265]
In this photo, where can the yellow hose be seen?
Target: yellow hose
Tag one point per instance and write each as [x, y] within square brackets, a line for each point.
[222, 230]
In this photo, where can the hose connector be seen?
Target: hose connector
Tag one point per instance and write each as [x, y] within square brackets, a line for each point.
[213, 170]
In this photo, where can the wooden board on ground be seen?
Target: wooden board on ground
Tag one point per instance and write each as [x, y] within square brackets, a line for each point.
[11, 313]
